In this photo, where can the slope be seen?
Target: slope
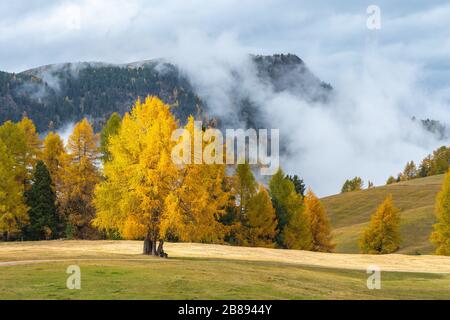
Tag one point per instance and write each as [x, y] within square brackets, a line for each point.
[350, 213]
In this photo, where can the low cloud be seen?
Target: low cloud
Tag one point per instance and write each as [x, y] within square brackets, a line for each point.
[381, 78]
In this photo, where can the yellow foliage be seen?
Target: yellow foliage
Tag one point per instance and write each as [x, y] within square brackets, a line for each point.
[297, 232]
[140, 175]
[261, 221]
[54, 156]
[145, 195]
[79, 178]
[441, 235]
[382, 235]
[319, 223]
[13, 211]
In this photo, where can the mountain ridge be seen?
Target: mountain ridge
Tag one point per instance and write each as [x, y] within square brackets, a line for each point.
[52, 95]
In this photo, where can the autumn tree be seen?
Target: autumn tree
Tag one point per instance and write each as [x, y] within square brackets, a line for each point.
[41, 200]
[55, 158]
[441, 234]
[319, 223]
[15, 142]
[13, 211]
[111, 128]
[354, 184]
[280, 189]
[33, 143]
[260, 222]
[441, 161]
[293, 224]
[140, 176]
[410, 171]
[391, 180]
[246, 186]
[79, 179]
[382, 235]
[196, 205]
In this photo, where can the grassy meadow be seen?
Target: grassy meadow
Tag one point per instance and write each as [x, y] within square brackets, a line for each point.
[350, 213]
[117, 270]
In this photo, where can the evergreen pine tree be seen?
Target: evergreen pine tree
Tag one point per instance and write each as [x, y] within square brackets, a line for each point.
[41, 199]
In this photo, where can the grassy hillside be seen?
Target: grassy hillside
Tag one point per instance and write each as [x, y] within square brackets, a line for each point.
[350, 213]
[117, 270]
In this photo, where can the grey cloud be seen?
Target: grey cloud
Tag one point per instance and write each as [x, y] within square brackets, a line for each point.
[382, 77]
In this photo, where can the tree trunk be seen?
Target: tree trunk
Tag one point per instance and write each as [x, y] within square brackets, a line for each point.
[147, 246]
[154, 247]
[160, 251]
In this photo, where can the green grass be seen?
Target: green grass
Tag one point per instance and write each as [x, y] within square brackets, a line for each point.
[350, 213]
[211, 279]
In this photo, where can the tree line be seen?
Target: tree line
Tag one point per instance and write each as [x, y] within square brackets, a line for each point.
[438, 162]
[122, 184]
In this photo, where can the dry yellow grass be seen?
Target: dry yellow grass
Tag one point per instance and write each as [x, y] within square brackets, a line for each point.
[34, 252]
[350, 213]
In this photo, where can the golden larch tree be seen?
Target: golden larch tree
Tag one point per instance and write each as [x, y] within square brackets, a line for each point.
[79, 178]
[13, 211]
[195, 206]
[22, 143]
[382, 235]
[441, 234]
[260, 224]
[297, 232]
[55, 157]
[293, 223]
[140, 176]
[319, 223]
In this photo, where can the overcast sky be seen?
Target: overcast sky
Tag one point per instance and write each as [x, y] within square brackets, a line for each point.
[326, 34]
[382, 76]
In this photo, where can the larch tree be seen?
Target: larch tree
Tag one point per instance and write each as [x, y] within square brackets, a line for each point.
[15, 142]
[196, 205]
[261, 221]
[140, 176]
[297, 232]
[351, 185]
[41, 200]
[111, 128]
[441, 234]
[246, 186]
[293, 224]
[382, 235]
[319, 223]
[280, 188]
[13, 211]
[33, 143]
[55, 157]
[391, 180]
[410, 171]
[80, 176]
